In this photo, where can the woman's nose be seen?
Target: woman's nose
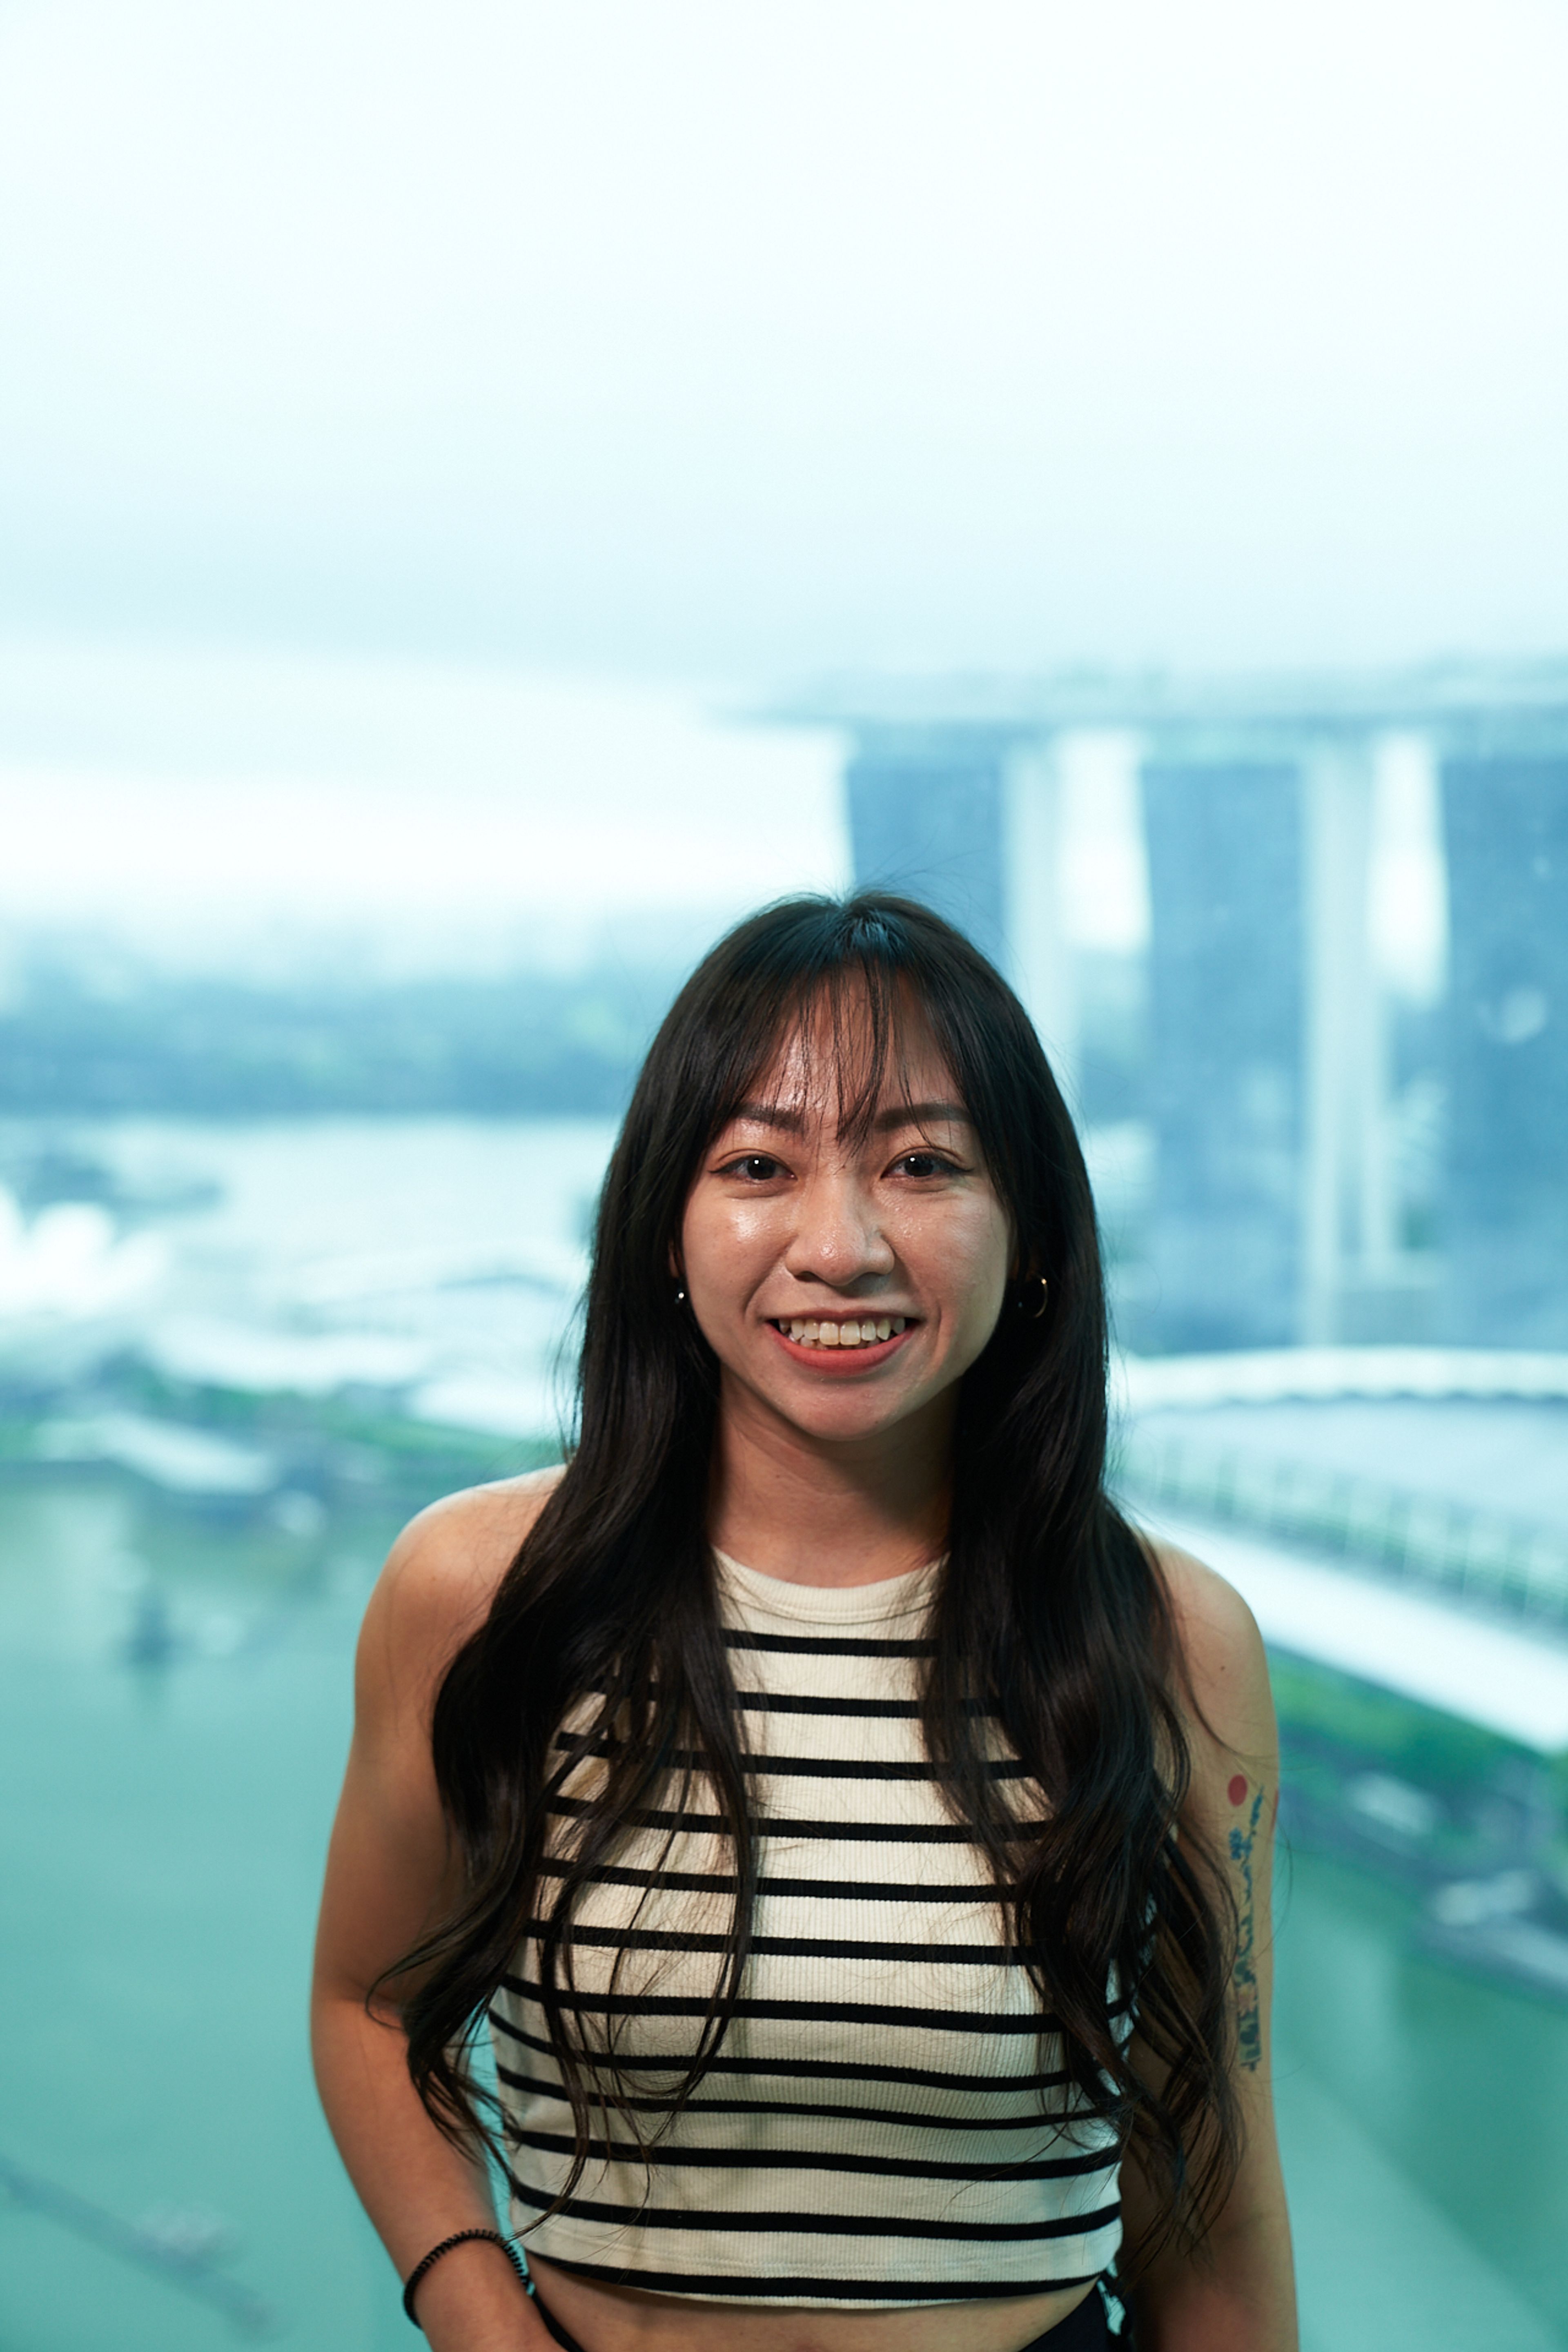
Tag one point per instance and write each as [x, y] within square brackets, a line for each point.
[838, 1235]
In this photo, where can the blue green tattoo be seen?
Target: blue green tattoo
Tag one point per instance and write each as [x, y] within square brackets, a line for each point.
[1248, 2022]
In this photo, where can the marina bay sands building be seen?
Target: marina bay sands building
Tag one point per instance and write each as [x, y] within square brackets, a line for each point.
[1273, 1218]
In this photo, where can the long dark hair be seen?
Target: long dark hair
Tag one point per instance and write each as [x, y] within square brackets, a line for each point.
[1050, 1611]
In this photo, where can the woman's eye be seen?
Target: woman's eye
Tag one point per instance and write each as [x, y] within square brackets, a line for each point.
[924, 1163]
[756, 1168]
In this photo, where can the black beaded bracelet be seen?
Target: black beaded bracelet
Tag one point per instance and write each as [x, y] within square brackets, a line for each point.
[458, 2238]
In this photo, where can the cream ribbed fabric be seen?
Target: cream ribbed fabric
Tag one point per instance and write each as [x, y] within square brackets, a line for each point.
[885, 2122]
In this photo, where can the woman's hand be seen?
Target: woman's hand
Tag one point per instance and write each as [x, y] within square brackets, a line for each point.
[391, 1873]
[1235, 2291]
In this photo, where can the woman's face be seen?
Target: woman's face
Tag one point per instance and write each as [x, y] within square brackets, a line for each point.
[847, 1287]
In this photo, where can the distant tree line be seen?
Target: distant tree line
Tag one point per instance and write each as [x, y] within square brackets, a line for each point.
[76, 1039]
[531, 1043]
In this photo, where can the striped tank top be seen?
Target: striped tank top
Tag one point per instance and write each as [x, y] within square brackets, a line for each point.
[887, 2121]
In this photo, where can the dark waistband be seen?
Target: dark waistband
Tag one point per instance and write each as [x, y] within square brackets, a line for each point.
[1084, 2329]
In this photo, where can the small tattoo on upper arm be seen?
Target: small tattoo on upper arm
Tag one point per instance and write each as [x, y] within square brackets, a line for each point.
[1249, 2024]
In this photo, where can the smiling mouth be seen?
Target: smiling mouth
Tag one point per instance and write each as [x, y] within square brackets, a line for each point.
[850, 1331]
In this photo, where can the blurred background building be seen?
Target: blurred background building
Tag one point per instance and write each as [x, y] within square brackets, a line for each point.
[1277, 1214]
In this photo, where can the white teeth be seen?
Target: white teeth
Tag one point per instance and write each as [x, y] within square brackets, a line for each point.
[862, 1333]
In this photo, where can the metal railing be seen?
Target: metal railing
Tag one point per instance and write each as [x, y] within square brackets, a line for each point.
[1514, 1566]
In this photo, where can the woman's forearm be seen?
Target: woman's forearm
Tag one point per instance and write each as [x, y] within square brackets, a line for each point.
[416, 2187]
[1235, 2293]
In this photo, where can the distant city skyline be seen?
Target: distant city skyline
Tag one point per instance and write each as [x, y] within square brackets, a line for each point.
[278, 811]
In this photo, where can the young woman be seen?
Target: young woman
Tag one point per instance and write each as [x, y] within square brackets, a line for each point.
[855, 1834]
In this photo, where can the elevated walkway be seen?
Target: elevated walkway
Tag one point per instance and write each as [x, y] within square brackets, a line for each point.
[1421, 1644]
[1341, 1481]
[1398, 1518]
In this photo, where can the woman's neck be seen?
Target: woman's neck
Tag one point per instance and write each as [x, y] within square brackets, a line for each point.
[813, 1512]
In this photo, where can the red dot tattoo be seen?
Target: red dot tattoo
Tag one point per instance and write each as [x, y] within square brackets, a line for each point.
[1237, 1789]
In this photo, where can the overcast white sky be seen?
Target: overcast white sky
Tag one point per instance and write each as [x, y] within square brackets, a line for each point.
[268, 807]
[729, 339]
[709, 344]
[221, 805]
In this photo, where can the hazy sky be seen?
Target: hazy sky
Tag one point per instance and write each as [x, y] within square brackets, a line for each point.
[417, 421]
[262, 806]
[725, 342]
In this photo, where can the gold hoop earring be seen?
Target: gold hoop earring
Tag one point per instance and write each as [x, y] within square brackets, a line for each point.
[1045, 1295]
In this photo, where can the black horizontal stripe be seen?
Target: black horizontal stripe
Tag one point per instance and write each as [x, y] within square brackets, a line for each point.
[835, 2225]
[750, 1701]
[806, 2070]
[807, 1830]
[826, 1645]
[813, 1890]
[887, 1710]
[780, 2159]
[871, 1890]
[741, 2286]
[795, 2012]
[583, 1744]
[787, 1947]
[818, 2111]
[855, 1767]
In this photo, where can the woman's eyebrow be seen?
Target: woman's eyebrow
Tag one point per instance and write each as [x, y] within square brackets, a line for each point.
[927, 1114]
[761, 1113]
[920, 1115]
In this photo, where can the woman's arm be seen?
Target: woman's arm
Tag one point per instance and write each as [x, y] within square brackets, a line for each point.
[391, 1871]
[1235, 2291]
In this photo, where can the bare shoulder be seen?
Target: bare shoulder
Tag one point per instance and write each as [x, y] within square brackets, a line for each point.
[440, 1577]
[1222, 1651]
